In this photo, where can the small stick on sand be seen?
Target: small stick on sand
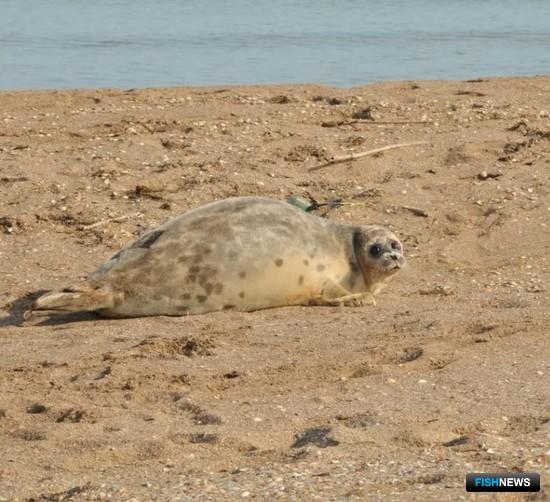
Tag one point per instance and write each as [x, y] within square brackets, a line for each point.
[355, 156]
[374, 122]
[382, 122]
[103, 222]
[416, 211]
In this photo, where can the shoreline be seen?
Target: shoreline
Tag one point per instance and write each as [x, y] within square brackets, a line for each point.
[213, 87]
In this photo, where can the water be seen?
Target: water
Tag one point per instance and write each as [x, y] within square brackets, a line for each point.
[148, 43]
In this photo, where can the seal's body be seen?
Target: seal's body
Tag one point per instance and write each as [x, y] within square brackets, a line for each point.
[244, 253]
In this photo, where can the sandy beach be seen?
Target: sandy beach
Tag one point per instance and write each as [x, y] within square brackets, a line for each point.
[449, 373]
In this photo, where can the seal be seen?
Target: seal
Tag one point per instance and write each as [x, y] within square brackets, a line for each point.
[243, 253]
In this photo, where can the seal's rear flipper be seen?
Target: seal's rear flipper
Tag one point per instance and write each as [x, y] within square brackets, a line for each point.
[82, 298]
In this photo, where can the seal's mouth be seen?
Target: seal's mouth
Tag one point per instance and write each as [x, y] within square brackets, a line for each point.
[394, 267]
[391, 264]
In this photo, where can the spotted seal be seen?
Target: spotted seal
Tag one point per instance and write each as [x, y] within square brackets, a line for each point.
[243, 253]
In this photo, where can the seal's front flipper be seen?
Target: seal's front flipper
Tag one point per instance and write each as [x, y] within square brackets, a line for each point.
[82, 298]
[353, 300]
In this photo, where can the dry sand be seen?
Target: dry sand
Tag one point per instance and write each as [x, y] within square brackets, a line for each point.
[449, 373]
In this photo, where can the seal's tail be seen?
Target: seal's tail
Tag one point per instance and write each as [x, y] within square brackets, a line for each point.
[81, 298]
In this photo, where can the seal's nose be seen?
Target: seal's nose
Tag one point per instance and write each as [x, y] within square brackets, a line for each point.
[394, 257]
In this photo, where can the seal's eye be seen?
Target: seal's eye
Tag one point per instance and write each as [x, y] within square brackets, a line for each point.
[375, 250]
[395, 245]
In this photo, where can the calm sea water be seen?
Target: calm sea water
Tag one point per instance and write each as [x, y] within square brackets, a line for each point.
[143, 43]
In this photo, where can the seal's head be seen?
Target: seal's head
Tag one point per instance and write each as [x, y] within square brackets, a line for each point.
[378, 251]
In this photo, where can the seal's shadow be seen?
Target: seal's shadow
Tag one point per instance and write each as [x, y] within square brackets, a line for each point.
[17, 308]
